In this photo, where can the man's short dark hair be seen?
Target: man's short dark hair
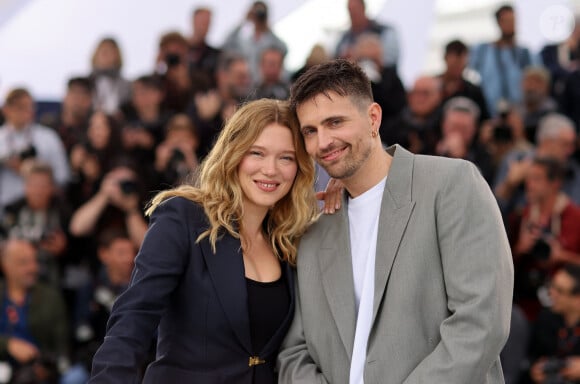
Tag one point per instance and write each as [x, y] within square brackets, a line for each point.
[456, 47]
[502, 9]
[201, 10]
[82, 82]
[110, 235]
[227, 59]
[340, 76]
[15, 95]
[555, 170]
[574, 272]
[150, 81]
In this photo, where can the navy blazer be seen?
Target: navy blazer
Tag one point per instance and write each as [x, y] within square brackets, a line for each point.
[197, 302]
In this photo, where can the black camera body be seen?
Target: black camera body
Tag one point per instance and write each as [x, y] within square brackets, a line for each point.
[176, 157]
[541, 250]
[128, 187]
[28, 153]
[172, 60]
[261, 14]
[552, 368]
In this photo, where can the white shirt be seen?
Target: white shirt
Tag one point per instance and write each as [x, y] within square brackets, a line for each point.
[49, 149]
[363, 218]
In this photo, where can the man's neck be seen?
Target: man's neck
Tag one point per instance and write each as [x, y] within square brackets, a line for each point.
[149, 114]
[546, 205]
[360, 25]
[571, 319]
[118, 278]
[197, 41]
[16, 294]
[370, 174]
[18, 128]
[506, 41]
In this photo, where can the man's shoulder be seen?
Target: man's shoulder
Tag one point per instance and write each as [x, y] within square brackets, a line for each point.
[439, 163]
[43, 132]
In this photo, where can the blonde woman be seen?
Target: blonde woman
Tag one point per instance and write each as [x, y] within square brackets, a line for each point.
[213, 274]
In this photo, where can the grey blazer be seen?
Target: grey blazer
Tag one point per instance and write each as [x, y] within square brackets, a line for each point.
[443, 284]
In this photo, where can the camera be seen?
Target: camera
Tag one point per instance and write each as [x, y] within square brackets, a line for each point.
[128, 187]
[541, 250]
[261, 15]
[43, 369]
[28, 153]
[502, 131]
[552, 368]
[176, 157]
[172, 59]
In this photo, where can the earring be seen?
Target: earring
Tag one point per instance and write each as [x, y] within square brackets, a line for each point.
[373, 134]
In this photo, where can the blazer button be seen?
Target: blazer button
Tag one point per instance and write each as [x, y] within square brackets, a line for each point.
[255, 360]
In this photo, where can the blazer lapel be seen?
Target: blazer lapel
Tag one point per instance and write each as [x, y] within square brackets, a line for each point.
[337, 279]
[396, 209]
[226, 269]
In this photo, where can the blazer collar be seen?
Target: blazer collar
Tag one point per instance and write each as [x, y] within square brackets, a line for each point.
[335, 251]
[396, 209]
[226, 269]
[227, 272]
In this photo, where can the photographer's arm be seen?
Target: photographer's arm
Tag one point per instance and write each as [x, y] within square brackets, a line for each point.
[136, 226]
[561, 255]
[85, 218]
[20, 350]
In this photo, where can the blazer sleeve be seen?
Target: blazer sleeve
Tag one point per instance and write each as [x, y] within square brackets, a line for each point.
[295, 366]
[478, 272]
[137, 312]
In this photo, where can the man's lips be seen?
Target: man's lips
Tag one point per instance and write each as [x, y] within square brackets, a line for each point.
[332, 155]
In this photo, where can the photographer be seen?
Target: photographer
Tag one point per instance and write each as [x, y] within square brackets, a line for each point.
[555, 343]
[175, 157]
[41, 218]
[253, 36]
[33, 321]
[388, 90]
[556, 137]
[173, 66]
[549, 232]
[22, 140]
[458, 131]
[209, 110]
[116, 204]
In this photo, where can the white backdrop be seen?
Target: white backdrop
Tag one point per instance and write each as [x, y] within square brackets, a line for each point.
[44, 42]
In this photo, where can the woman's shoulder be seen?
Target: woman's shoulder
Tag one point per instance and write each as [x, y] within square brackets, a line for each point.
[182, 206]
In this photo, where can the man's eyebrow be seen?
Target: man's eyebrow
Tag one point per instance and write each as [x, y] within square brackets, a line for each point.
[323, 122]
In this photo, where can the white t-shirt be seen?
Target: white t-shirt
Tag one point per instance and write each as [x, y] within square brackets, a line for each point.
[363, 218]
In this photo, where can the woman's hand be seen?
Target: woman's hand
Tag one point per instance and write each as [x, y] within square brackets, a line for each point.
[332, 196]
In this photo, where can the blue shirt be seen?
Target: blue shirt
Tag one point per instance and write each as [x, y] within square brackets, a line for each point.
[14, 319]
[501, 71]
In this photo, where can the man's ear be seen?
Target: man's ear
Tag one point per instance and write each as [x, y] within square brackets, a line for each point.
[375, 114]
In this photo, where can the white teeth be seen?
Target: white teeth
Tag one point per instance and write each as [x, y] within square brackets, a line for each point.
[268, 185]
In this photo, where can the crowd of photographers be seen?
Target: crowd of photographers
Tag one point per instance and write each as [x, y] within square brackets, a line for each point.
[74, 180]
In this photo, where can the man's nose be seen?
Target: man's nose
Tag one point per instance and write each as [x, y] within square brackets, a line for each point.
[325, 139]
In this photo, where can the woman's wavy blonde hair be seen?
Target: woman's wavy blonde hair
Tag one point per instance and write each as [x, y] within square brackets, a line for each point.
[217, 188]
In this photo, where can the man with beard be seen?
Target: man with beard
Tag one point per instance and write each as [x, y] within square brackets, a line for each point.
[410, 282]
[500, 63]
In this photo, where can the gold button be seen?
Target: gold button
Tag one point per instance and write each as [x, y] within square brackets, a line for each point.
[255, 360]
